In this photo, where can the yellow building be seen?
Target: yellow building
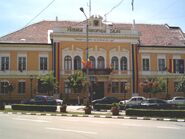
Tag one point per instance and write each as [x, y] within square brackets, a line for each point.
[121, 57]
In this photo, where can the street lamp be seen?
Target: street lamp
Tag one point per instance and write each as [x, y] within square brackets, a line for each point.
[87, 36]
[31, 81]
[87, 45]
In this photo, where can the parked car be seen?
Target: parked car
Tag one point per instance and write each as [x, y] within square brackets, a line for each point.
[178, 100]
[105, 100]
[41, 100]
[59, 101]
[133, 102]
[154, 103]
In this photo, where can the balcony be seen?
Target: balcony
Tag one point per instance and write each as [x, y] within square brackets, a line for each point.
[105, 71]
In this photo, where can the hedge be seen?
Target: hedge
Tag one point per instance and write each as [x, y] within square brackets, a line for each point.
[156, 113]
[2, 106]
[29, 107]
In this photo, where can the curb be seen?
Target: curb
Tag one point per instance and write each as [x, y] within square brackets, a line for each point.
[97, 116]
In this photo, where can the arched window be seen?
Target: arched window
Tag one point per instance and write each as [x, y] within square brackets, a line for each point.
[101, 62]
[123, 63]
[114, 63]
[67, 63]
[93, 62]
[77, 63]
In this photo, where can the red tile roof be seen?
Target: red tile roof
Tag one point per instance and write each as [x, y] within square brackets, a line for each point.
[155, 35]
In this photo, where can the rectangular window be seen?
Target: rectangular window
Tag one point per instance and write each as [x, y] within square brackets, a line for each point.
[43, 63]
[4, 63]
[41, 87]
[178, 65]
[123, 88]
[4, 87]
[21, 87]
[115, 87]
[161, 64]
[146, 64]
[22, 63]
[67, 89]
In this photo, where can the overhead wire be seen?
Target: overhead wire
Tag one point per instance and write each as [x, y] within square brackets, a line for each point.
[40, 13]
[114, 7]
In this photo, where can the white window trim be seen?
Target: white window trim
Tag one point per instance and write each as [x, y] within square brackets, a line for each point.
[146, 57]
[22, 55]
[5, 55]
[161, 57]
[43, 71]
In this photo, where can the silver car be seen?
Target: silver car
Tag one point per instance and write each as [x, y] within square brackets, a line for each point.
[133, 101]
[178, 100]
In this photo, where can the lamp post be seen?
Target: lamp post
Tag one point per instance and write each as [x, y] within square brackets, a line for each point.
[31, 81]
[87, 46]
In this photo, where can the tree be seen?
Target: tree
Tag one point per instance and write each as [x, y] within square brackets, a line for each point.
[180, 86]
[48, 83]
[77, 81]
[153, 85]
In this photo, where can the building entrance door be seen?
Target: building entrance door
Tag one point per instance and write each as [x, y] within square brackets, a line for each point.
[98, 90]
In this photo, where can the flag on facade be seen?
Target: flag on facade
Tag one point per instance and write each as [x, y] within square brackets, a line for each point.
[87, 64]
[84, 63]
[171, 66]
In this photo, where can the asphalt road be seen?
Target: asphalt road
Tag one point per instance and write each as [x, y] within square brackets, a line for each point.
[55, 127]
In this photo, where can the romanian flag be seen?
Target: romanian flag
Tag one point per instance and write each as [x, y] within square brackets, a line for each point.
[87, 64]
[171, 66]
[84, 63]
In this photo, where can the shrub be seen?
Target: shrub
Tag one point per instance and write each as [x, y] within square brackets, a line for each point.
[156, 113]
[28, 107]
[2, 106]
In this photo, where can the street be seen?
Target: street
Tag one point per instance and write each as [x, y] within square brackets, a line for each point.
[56, 127]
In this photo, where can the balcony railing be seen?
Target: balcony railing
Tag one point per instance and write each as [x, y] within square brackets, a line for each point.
[105, 71]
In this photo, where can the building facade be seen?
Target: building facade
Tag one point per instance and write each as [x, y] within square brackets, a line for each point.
[121, 57]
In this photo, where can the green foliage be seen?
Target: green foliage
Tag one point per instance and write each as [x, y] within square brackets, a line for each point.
[115, 105]
[156, 113]
[180, 86]
[48, 82]
[77, 81]
[154, 85]
[29, 107]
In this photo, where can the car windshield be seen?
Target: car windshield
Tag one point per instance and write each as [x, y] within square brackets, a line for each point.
[179, 98]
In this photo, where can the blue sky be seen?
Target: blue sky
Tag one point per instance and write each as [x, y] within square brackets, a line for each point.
[15, 14]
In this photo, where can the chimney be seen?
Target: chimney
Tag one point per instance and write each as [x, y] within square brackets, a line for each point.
[56, 18]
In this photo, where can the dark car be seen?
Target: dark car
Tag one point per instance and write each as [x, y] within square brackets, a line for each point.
[155, 103]
[105, 100]
[41, 100]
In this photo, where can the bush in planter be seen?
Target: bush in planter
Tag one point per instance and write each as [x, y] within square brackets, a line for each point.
[88, 108]
[115, 109]
[63, 107]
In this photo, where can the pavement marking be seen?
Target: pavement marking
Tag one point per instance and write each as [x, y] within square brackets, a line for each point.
[168, 127]
[133, 125]
[69, 130]
[180, 120]
[140, 118]
[39, 121]
[161, 127]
